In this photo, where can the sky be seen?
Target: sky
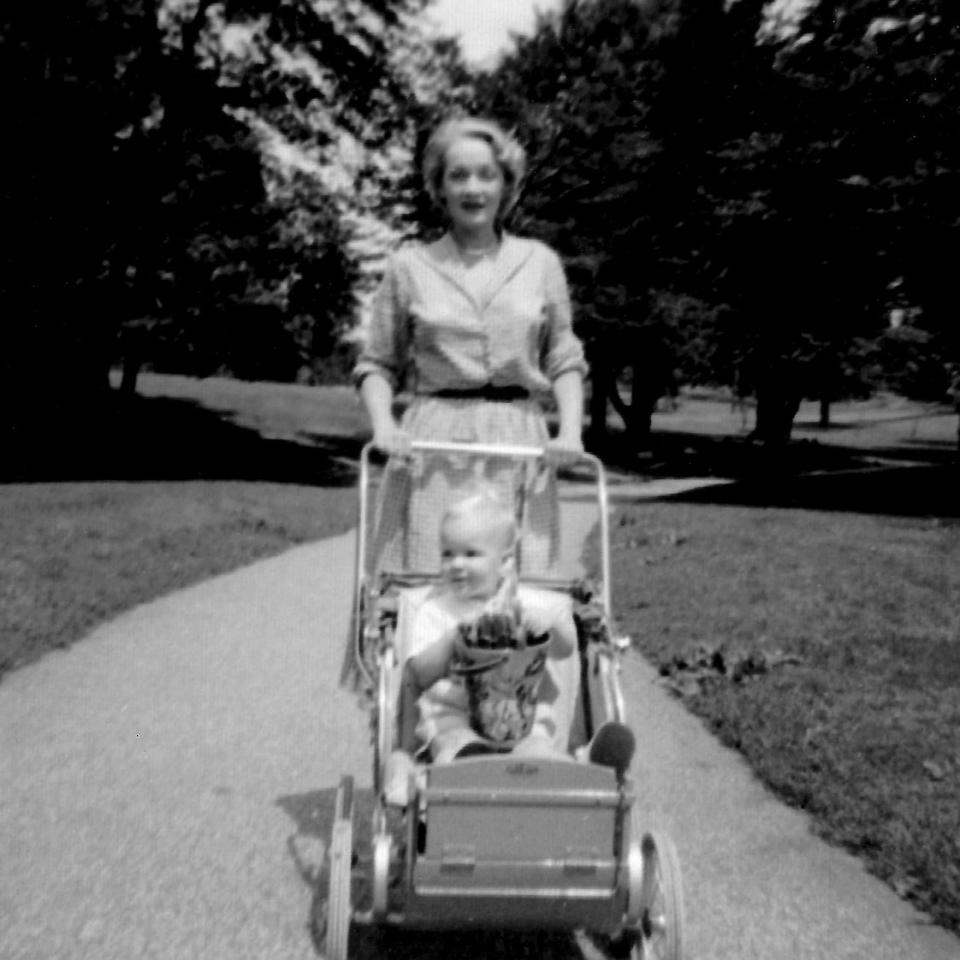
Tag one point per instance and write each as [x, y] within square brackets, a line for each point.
[484, 25]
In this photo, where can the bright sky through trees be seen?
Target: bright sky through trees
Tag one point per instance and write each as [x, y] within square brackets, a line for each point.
[484, 25]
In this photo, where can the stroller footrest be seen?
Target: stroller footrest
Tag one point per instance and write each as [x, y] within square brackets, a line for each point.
[575, 878]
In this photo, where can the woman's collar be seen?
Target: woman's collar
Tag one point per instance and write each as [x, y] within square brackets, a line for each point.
[442, 255]
[449, 248]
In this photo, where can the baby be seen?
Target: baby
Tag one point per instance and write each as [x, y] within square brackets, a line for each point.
[489, 665]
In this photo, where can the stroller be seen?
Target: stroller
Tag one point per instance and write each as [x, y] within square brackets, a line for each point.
[497, 841]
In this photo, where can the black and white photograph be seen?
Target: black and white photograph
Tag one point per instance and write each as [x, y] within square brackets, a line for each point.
[480, 478]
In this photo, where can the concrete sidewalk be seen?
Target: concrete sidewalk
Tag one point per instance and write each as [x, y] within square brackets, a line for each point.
[153, 774]
[159, 778]
[623, 487]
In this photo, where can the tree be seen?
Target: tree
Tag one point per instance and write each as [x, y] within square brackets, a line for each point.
[787, 183]
[626, 107]
[885, 78]
[198, 136]
[311, 87]
[575, 90]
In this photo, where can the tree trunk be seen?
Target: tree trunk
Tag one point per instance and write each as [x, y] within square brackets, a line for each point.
[133, 342]
[643, 401]
[131, 370]
[600, 389]
[777, 405]
[824, 413]
[643, 356]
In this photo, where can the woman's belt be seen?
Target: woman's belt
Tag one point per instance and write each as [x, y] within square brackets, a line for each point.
[486, 392]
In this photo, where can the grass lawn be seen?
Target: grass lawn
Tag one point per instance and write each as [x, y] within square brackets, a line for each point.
[825, 647]
[76, 554]
[190, 479]
[883, 423]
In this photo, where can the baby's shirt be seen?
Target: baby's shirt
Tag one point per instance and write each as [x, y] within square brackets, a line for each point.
[428, 617]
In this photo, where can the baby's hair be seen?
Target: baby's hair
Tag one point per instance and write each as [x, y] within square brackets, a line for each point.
[484, 503]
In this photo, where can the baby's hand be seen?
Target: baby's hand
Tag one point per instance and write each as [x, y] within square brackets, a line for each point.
[469, 658]
[495, 631]
[536, 622]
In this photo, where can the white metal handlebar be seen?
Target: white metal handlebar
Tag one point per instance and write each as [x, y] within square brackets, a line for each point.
[477, 449]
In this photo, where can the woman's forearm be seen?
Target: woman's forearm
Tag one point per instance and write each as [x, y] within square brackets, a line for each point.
[568, 390]
[377, 396]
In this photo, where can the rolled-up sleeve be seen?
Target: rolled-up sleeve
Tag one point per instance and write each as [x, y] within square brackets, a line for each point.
[386, 346]
[562, 349]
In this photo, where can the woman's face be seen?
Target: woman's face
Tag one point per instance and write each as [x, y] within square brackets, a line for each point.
[473, 185]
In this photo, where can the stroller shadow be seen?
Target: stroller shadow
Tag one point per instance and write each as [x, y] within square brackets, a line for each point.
[312, 816]
[138, 438]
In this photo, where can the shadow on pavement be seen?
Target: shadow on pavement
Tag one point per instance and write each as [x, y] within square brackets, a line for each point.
[312, 814]
[139, 438]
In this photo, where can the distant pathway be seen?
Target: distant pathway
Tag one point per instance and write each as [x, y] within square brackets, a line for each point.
[165, 787]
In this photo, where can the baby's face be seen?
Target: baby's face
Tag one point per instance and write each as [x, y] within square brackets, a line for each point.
[473, 557]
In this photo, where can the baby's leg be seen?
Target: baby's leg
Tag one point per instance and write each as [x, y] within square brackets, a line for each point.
[400, 770]
[556, 704]
[445, 746]
[445, 720]
[540, 742]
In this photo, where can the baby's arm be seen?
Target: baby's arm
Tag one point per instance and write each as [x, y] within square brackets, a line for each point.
[420, 672]
[564, 635]
[557, 696]
[551, 613]
[432, 663]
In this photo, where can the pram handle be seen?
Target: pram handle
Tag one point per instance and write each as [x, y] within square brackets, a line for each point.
[488, 450]
[478, 449]
[520, 452]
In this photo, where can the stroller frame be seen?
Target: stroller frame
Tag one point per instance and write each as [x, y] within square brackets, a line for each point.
[498, 841]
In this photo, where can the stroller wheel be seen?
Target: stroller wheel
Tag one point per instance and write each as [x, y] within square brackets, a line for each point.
[661, 920]
[339, 911]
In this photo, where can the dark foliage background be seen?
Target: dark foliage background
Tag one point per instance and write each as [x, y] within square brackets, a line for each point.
[746, 204]
[740, 201]
[166, 189]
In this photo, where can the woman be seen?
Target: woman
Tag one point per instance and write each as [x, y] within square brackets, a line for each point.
[476, 325]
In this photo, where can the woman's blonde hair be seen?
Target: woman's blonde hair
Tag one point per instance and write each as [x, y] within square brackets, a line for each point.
[510, 156]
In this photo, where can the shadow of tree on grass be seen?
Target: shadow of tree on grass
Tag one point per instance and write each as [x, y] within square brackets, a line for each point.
[162, 438]
[908, 491]
[916, 480]
[137, 438]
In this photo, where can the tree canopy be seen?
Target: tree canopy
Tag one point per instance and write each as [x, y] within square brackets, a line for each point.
[743, 201]
[746, 200]
[183, 173]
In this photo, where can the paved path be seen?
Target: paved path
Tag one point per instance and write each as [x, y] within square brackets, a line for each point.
[165, 785]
